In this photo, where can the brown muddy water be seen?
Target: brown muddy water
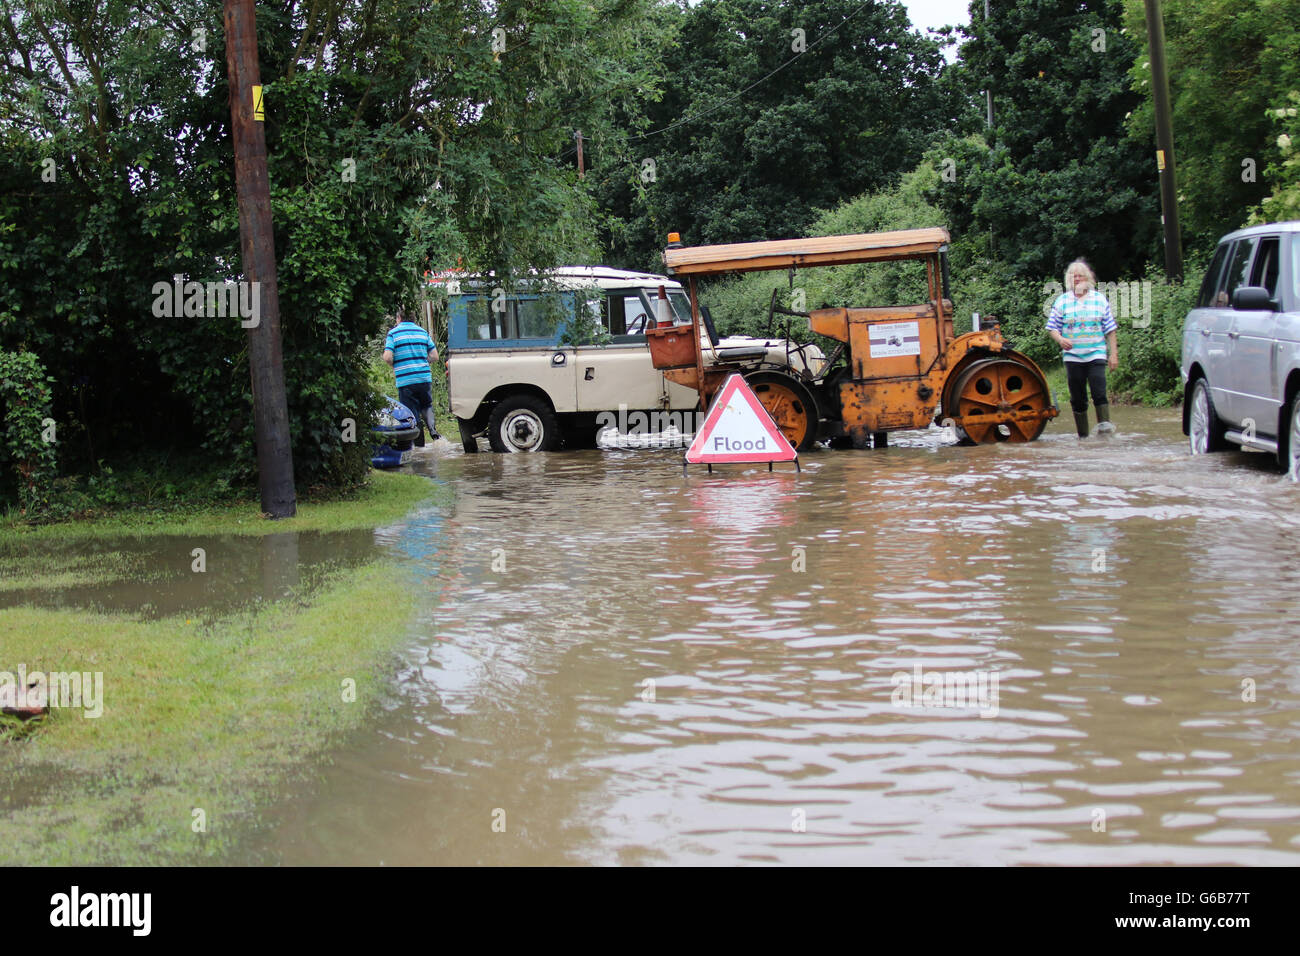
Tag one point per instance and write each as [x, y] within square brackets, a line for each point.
[176, 574]
[619, 665]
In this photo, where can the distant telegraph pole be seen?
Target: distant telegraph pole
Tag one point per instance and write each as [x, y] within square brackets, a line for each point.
[257, 250]
[1164, 142]
[988, 94]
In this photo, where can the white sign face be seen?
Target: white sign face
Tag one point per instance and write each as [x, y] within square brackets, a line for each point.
[738, 428]
[895, 338]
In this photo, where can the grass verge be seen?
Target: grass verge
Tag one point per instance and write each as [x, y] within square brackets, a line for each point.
[387, 497]
[203, 720]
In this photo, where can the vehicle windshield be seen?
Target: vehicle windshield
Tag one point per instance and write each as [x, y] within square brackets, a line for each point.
[679, 302]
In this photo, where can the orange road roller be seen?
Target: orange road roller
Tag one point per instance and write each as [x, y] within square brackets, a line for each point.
[893, 367]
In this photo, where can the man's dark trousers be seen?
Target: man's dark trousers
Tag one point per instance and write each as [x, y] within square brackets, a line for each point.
[419, 399]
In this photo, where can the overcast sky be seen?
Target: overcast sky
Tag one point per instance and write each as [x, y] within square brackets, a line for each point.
[937, 13]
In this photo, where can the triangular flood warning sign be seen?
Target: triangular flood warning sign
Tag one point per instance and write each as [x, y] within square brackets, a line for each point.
[738, 428]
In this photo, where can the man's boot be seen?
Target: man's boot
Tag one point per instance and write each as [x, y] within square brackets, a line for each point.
[1104, 427]
[433, 428]
[1081, 423]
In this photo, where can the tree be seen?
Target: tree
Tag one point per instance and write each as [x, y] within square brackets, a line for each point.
[770, 112]
[401, 137]
[1229, 64]
[1057, 176]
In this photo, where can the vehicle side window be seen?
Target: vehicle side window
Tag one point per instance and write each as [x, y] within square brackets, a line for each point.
[1237, 266]
[1265, 268]
[521, 319]
[1295, 270]
[1210, 284]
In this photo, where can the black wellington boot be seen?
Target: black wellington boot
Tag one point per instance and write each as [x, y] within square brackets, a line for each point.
[1081, 423]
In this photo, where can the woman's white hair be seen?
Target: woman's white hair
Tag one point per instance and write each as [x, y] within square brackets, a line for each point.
[1079, 265]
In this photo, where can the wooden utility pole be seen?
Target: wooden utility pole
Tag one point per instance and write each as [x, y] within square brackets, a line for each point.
[257, 250]
[1164, 142]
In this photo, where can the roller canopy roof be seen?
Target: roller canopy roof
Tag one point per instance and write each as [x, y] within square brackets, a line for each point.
[818, 251]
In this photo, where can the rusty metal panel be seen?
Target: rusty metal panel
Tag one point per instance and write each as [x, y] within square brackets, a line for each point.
[833, 323]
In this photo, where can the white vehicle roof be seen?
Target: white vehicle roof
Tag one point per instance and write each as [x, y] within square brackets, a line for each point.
[581, 277]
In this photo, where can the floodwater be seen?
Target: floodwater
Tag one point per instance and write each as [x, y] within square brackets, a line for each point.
[164, 575]
[616, 664]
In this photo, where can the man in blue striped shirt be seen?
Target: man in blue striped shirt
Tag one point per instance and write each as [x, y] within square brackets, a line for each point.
[1081, 323]
[409, 350]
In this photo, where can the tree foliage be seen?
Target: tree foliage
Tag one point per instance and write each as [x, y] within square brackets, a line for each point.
[1057, 176]
[769, 113]
[401, 136]
[1229, 63]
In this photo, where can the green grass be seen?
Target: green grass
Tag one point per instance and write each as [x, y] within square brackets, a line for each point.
[200, 712]
[196, 716]
[1057, 384]
[384, 499]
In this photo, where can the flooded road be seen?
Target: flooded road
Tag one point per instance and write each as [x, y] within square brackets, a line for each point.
[1053, 653]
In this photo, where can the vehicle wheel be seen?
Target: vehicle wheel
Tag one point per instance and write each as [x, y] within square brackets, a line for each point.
[790, 404]
[1204, 430]
[523, 423]
[1291, 455]
[467, 439]
[978, 395]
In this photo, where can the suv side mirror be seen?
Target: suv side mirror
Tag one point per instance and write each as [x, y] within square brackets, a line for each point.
[1252, 298]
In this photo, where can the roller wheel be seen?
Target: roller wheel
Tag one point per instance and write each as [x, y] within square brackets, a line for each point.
[980, 393]
[790, 404]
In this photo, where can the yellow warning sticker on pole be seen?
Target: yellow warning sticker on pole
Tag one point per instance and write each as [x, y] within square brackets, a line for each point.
[259, 113]
[1160, 160]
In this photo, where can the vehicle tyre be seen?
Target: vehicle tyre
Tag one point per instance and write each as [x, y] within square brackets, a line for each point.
[1204, 430]
[523, 423]
[1290, 453]
[467, 439]
[790, 404]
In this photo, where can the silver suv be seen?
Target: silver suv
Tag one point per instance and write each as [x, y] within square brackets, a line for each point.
[1241, 347]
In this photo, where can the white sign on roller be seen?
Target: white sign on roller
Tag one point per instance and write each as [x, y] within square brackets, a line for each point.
[738, 428]
[894, 338]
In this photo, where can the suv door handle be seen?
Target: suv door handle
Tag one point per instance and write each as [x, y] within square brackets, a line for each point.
[1205, 331]
[590, 374]
[1234, 334]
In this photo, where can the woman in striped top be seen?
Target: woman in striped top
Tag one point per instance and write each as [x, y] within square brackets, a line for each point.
[1081, 323]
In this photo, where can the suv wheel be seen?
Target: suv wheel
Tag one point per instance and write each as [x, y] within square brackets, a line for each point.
[523, 423]
[1292, 459]
[1204, 430]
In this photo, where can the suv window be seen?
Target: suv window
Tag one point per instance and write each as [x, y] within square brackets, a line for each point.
[1264, 271]
[1211, 281]
[1236, 274]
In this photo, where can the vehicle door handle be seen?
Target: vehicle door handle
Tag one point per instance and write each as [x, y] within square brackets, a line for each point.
[1234, 335]
[1205, 331]
[590, 374]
